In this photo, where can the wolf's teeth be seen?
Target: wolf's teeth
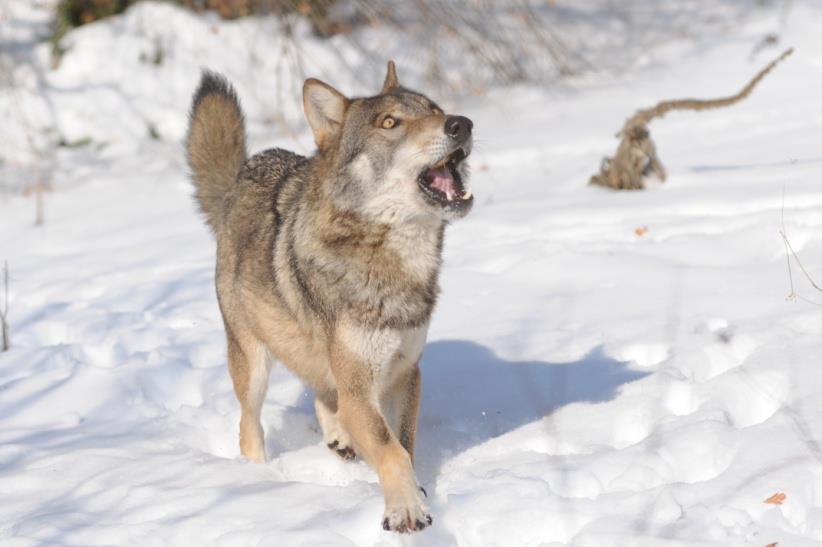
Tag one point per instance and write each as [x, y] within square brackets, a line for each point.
[467, 195]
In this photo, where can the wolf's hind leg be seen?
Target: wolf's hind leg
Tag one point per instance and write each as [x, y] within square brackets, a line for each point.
[334, 435]
[249, 365]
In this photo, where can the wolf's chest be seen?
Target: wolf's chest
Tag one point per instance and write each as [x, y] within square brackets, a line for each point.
[386, 351]
[401, 284]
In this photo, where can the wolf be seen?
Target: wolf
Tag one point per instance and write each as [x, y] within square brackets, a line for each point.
[329, 264]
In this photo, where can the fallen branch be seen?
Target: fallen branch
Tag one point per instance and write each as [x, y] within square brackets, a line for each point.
[636, 156]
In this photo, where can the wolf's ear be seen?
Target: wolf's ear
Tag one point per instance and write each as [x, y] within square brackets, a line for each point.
[324, 108]
[391, 80]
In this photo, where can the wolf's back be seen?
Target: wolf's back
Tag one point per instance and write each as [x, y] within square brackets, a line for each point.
[215, 146]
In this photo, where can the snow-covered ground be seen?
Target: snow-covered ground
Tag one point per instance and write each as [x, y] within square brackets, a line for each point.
[604, 369]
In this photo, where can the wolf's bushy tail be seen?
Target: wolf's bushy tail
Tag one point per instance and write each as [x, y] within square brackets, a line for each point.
[215, 146]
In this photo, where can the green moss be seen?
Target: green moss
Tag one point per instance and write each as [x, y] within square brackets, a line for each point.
[153, 133]
[63, 143]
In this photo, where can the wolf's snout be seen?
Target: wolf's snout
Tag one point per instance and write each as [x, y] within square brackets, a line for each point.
[458, 127]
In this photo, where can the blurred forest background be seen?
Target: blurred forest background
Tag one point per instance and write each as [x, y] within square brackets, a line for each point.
[450, 48]
[508, 40]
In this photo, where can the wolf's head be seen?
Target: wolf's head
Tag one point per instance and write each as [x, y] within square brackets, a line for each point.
[394, 156]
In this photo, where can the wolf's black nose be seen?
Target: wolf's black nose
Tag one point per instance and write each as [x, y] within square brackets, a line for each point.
[458, 127]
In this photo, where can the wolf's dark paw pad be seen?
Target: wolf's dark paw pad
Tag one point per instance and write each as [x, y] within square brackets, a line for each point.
[404, 523]
[345, 452]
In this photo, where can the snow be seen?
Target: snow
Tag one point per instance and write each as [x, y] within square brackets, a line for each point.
[584, 385]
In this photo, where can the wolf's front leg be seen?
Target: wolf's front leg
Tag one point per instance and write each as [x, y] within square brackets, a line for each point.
[405, 510]
[404, 398]
[361, 417]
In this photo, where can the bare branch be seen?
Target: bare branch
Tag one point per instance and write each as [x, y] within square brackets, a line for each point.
[643, 117]
[792, 295]
[4, 312]
[789, 251]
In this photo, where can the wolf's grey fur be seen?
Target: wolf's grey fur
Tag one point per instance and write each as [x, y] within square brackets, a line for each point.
[330, 263]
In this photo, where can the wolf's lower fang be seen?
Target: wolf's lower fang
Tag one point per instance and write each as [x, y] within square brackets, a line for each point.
[467, 195]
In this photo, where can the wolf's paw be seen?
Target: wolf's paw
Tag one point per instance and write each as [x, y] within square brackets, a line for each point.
[406, 519]
[345, 452]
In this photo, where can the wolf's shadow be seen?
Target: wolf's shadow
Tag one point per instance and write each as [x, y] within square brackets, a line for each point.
[470, 395]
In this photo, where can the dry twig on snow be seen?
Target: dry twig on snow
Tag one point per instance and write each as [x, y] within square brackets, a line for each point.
[789, 252]
[4, 312]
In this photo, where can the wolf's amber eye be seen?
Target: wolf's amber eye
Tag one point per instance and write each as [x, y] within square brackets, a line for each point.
[388, 122]
[437, 111]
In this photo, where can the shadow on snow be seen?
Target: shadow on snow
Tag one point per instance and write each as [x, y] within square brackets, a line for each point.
[470, 395]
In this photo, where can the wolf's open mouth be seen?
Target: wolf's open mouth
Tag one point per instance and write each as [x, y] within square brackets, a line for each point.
[443, 184]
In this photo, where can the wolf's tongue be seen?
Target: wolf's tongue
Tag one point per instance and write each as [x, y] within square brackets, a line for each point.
[442, 180]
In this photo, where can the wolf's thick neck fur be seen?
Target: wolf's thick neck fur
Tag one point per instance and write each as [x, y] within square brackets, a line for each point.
[378, 274]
